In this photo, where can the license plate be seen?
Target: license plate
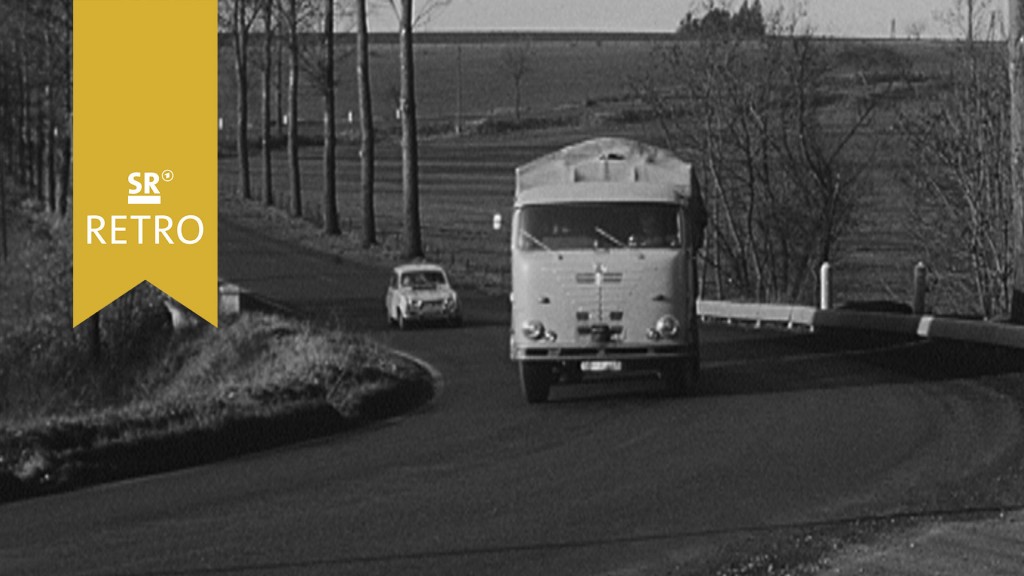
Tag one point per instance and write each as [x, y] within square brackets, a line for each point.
[601, 366]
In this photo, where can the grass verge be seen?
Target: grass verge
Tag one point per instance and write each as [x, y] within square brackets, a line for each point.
[259, 382]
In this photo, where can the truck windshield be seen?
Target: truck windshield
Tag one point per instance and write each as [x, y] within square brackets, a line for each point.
[589, 225]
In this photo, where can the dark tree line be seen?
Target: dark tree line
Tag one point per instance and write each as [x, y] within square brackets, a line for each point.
[748, 21]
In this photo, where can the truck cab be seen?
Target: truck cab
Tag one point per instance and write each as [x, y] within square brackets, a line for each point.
[604, 240]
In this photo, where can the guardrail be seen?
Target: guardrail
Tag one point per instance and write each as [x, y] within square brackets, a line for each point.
[925, 326]
[918, 323]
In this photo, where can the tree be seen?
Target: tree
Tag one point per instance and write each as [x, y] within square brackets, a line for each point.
[410, 156]
[780, 184]
[407, 20]
[330, 208]
[916, 29]
[748, 21]
[1016, 77]
[318, 60]
[238, 16]
[517, 60]
[961, 172]
[292, 16]
[366, 130]
[265, 122]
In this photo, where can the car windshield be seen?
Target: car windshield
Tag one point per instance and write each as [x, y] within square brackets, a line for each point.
[423, 279]
[582, 226]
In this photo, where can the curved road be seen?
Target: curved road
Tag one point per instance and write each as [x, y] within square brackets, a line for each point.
[604, 479]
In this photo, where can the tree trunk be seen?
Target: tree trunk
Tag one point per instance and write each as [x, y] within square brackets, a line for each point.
[66, 173]
[366, 143]
[517, 83]
[4, 169]
[38, 156]
[1016, 69]
[24, 151]
[280, 89]
[242, 104]
[94, 338]
[410, 162]
[293, 108]
[268, 40]
[330, 208]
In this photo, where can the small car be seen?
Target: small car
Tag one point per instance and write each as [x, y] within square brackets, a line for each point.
[421, 293]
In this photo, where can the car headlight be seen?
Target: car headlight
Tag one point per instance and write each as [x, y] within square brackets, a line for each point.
[415, 303]
[449, 302]
[667, 327]
[533, 330]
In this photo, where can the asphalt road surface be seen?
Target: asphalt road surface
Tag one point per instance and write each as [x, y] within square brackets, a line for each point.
[604, 479]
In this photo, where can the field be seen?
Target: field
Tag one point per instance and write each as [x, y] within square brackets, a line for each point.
[578, 88]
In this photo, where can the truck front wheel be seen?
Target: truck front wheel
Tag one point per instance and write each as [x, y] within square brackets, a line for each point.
[535, 379]
[681, 375]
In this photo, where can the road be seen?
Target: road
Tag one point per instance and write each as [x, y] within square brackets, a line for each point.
[604, 479]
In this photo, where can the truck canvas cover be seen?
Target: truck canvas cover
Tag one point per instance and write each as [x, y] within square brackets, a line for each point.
[611, 160]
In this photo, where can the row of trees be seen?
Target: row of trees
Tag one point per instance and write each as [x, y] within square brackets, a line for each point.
[287, 21]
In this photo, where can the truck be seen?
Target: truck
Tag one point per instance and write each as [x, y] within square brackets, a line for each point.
[605, 235]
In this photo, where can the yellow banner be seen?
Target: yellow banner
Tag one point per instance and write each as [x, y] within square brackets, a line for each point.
[145, 151]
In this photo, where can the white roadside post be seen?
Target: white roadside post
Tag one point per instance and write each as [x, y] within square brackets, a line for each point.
[826, 287]
[920, 287]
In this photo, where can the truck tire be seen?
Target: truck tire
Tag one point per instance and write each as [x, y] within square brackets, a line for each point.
[535, 379]
[681, 376]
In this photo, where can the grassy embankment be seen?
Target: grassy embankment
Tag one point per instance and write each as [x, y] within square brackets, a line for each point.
[157, 399]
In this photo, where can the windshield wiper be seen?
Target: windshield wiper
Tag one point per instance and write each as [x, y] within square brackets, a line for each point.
[538, 242]
[608, 236]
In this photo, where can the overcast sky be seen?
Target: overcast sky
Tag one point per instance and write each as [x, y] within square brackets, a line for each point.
[859, 18]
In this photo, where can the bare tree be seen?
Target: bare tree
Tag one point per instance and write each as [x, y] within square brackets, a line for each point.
[407, 20]
[292, 15]
[517, 60]
[238, 16]
[267, 66]
[916, 29]
[1016, 81]
[318, 61]
[410, 154]
[330, 208]
[781, 184]
[961, 177]
[366, 130]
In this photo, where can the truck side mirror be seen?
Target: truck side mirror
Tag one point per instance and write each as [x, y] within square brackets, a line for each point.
[496, 223]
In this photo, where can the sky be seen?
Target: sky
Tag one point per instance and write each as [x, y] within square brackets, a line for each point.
[853, 18]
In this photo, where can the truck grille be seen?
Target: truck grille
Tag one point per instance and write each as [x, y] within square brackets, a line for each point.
[606, 278]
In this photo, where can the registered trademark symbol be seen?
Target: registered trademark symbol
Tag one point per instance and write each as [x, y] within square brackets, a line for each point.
[167, 175]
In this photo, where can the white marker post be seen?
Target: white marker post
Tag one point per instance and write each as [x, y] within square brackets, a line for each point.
[826, 286]
[920, 287]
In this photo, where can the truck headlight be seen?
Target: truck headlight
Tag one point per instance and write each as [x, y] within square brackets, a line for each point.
[533, 330]
[667, 327]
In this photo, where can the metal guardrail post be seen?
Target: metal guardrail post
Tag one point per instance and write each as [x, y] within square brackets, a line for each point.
[920, 287]
[826, 286]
